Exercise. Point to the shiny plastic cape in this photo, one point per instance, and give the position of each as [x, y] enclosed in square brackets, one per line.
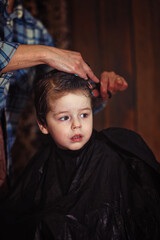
[109, 189]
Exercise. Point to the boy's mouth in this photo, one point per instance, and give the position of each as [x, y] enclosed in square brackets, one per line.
[76, 138]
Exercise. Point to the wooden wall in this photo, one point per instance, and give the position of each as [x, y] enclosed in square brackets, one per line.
[123, 36]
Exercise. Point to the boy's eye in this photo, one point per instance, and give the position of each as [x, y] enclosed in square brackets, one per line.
[64, 118]
[84, 115]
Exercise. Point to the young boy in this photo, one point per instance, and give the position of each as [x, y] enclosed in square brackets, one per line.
[83, 184]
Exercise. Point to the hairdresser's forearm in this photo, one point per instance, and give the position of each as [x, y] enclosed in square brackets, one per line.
[64, 60]
[24, 57]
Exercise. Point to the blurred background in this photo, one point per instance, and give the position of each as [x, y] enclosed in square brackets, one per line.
[119, 35]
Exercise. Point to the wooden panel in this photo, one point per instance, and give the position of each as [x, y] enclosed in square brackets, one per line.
[155, 21]
[117, 55]
[147, 38]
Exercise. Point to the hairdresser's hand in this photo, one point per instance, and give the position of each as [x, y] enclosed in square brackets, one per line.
[70, 61]
[112, 82]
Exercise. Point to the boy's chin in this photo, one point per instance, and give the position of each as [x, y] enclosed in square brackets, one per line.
[73, 147]
[76, 148]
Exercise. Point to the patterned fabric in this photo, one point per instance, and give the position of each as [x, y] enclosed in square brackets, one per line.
[6, 51]
[16, 28]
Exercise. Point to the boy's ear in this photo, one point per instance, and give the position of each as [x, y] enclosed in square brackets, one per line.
[43, 128]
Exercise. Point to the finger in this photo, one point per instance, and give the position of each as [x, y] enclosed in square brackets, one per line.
[117, 83]
[82, 69]
[104, 85]
[120, 84]
[114, 84]
[92, 76]
[87, 73]
[123, 84]
[90, 73]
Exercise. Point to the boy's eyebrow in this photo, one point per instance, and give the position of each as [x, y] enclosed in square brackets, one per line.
[57, 113]
[63, 112]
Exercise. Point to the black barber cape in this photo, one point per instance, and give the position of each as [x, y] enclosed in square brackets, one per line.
[109, 189]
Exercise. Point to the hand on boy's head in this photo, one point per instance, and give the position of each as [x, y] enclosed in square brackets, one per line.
[85, 72]
[71, 62]
[112, 82]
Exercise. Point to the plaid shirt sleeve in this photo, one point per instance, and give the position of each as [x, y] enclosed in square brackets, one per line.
[7, 50]
[4, 86]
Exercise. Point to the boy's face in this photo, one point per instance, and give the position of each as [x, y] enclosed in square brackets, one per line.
[70, 120]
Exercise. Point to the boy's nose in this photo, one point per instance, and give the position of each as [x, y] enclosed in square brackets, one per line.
[76, 123]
